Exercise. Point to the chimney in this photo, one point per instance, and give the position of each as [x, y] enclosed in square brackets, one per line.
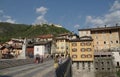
[105, 26]
[116, 24]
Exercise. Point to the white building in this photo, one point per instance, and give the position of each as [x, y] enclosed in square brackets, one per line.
[42, 49]
[116, 56]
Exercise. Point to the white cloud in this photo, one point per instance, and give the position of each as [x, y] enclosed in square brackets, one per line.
[41, 18]
[6, 18]
[109, 19]
[42, 10]
[10, 21]
[76, 26]
[94, 21]
[115, 6]
[1, 11]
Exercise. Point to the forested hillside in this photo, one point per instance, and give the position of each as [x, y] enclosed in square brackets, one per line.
[8, 30]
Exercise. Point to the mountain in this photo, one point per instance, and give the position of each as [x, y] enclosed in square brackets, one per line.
[8, 30]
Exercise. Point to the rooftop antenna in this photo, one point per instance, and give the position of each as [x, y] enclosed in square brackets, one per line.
[116, 24]
[105, 26]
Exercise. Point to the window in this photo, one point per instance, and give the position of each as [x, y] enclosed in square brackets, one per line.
[110, 32]
[37, 49]
[77, 65]
[82, 49]
[74, 49]
[74, 56]
[88, 44]
[108, 63]
[74, 44]
[89, 56]
[89, 49]
[111, 42]
[118, 64]
[96, 68]
[83, 56]
[89, 64]
[108, 68]
[82, 44]
[104, 42]
[102, 63]
[116, 41]
[102, 68]
[96, 37]
[97, 42]
[83, 65]
[62, 47]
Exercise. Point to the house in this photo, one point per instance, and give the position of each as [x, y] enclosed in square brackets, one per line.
[48, 37]
[68, 36]
[82, 53]
[6, 52]
[42, 49]
[62, 43]
[105, 38]
[103, 64]
[62, 46]
[116, 61]
[30, 51]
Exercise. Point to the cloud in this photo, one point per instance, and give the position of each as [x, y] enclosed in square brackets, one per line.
[10, 21]
[6, 18]
[76, 26]
[94, 21]
[115, 6]
[42, 10]
[1, 11]
[41, 18]
[109, 19]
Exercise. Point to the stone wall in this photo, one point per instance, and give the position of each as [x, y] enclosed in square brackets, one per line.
[83, 69]
[65, 69]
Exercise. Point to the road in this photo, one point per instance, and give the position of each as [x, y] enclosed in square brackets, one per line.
[44, 69]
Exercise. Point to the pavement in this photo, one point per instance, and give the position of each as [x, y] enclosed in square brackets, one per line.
[45, 69]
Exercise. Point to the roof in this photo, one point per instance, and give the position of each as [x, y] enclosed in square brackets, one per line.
[102, 53]
[100, 28]
[45, 36]
[64, 34]
[62, 38]
[84, 38]
[42, 43]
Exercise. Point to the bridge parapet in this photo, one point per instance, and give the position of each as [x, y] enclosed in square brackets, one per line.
[65, 69]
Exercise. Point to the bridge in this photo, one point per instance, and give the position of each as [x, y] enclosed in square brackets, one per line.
[29, 69]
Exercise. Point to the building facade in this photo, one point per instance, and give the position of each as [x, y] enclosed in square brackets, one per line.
[103, 64]
[105, 38]
[42, 49]
[82, 53]
[62, 45]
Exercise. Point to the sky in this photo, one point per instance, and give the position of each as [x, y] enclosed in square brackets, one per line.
[71, 14]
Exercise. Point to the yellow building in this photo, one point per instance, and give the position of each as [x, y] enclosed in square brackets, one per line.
[82, 49]
[105, 38]
[82, 53]
[62, 45]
